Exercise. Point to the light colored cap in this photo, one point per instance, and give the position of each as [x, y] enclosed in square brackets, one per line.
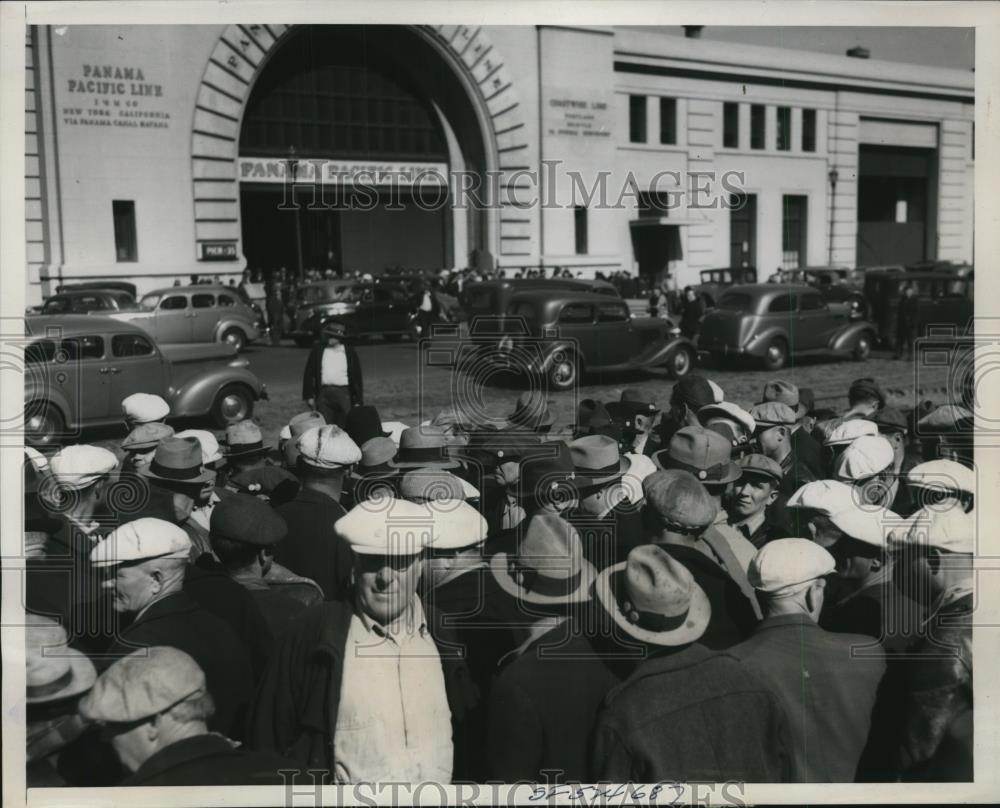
[53, 670]
[718, 394]
[773, 413]
[141, 408]
[952, 529]
[140, 540]
[944, 417]
[327, 447]
[395, 429]
[297, 427]
[639, 468]
[81, 465]
[421, 485]
[456, 524]
[143, 684]
[864, 458]
[210, 451]
[825, 496]
[943, 475]
[785, 566]
[391, 527]
[870, 526]
[730, 412]
[849, 431]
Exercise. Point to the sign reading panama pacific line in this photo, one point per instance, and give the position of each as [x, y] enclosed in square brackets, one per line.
[113, 96]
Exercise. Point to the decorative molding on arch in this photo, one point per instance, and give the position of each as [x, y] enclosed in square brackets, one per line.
[241, 53]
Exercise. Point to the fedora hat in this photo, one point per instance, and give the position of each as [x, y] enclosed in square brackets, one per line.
[244, 439]
[549, 567]
[53, 670]
[375, 456]
[706, 454]
[597, 460]
[652, 597]
[363, 423]
[297, 427]
[548, 476]
[531, 412]
[177, 460]
[785, 393]
[422, 446]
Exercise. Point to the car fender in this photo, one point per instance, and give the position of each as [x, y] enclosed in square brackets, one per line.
[757, 344]
[196, 395]
[246, 326]
[662, 353]
[552, 350]
[844, 339]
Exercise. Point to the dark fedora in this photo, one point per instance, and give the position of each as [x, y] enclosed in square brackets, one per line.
[633, 402]
[547, 477]
[244, 440]
[421, 446]
[363, 423]
[597, 460]
[177, 460]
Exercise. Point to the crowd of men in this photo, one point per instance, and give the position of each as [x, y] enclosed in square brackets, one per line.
[660, 591]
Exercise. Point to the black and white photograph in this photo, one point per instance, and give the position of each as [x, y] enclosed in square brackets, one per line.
[498, 403]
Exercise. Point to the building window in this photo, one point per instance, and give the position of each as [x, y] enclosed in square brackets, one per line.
[668, 121]
[809, 130]
[731, 125]
[793, 231]
[654, 204]
[756, 126]
[123, 211]
[783, 141]
[637, 118]
[580, 229]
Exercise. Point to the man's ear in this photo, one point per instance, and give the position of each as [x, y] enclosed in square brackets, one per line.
[772, 496]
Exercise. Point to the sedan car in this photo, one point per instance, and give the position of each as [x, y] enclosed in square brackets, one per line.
[86, 300]
[771, 322]
[380, 309]
[78, 368]
[564, 335]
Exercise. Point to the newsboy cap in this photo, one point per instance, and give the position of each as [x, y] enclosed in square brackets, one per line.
[297, 427]
[694, 391]
[783, 566]
[327, 447]
[143, 684]
[874, 527]
[455, 525]
[141, 408]
[681, 502]
[706, 454]
[825, 496]
[943, 475]
[726, 410]
[246, 519]
[850, 430]
[785, 393]
[81, 465]
[141, 540]
[761, 465]
[952, 530]
[773, 413]
[146, 437]
[866, 388]
[865, 457]
[394, 528]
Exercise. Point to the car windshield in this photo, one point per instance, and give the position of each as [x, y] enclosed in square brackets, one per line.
[150, 302]
[330, 294]
[480, 301]
[736, 301]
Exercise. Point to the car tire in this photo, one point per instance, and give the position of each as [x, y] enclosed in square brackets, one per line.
[565, 371]
[680, 363]
[234, 402]
[303, 342]
[49, 424]
[862, 347]
[776, 355]
[236, 338]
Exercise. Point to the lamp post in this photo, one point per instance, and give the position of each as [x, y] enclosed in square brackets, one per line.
[293, 170]
[833, 175]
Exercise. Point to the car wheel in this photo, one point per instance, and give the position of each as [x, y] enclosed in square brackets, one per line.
[233, 403]
[564, 371]
[236, 338]
[862, 348]
[776, 355]
[43, 424]
[680, 363]
[303, 342]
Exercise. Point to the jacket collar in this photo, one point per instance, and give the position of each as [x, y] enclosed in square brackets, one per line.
[174, 603]
[193, 748]
[798, 621]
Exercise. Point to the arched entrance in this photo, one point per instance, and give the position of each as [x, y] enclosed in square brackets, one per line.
[273, 96]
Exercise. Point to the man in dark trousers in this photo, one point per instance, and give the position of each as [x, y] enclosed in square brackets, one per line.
[906, 322]
[694, 310]
[276, 314]
[332, 381]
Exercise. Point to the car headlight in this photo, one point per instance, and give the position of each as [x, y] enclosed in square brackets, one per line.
[674, 332]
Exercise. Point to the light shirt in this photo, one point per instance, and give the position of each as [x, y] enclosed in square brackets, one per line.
[425, 303]
[393, 722]
[334, 368]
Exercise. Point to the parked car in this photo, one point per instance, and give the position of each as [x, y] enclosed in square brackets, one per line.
[771, 322]
[85, 301]
[715, 281]
[945, 297]
[490, 299]
[314, 301]
[566, 334]
[372, 309]
[78, 376]
[117, 286]
[822, 277]
[199, 313]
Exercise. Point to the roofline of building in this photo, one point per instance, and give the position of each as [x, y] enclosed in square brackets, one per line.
[664, 54]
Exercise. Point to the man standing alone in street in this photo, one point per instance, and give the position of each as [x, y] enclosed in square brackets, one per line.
[332, 381]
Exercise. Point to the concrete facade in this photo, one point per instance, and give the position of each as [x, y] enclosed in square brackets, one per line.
[153, 115]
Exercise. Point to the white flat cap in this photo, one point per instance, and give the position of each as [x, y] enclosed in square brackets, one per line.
[874, 527]
[81, 465]
[943, 475]
[141, 408]
[849, 431]
[864, 458]
[952, 529]
[456, 524]
[718, 394]
[140, 540]
[143, 684]
[210, 451]
[825, 496]
[782, 566]
[386, 526]
[327, 447]
[729, 411]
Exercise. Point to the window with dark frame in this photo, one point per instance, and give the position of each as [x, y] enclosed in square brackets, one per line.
[668, 121]
[809, 130]
[580, 229]
[793, 231]
[123, 212]
[637, 118]
[757, 126]
[783, 135]
[731, 125]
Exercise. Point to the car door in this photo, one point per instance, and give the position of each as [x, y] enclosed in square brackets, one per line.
[576, 323]
[817, 323]
[172, 322]
[135, 367]
[81, 372]
[617, 343]
[204, 315]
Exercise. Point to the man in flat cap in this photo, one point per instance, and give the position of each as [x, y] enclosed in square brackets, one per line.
[143, 408]
[751, 500]
[244, 532]
[155, 706]
[828, 693]
[332, 382]
[144, 563]
[140, 444]
[942, 485]
[842, 435]
[677, 513]
[732, 422]
[313, 549]
[673, 719]
[359, 688]
[289, 435]
[894, 426]
[806, 448]
[776, 423]
[687, 397]
[867, 466]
